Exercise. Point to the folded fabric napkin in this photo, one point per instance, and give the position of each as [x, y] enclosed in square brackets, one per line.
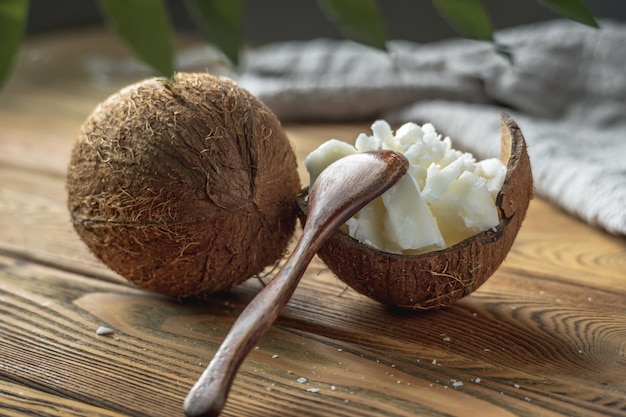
[566, 88]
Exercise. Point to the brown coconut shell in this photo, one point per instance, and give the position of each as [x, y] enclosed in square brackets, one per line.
[438, 278]
[184, 186]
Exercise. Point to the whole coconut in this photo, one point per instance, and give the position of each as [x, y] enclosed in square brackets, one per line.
[184, 186]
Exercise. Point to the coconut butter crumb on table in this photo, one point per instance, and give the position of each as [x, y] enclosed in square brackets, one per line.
[545, 336]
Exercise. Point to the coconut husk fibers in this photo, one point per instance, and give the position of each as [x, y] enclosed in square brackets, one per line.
[184, 186]
[438, 278]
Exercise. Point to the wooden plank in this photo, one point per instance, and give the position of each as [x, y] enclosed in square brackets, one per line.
[498, 335]
[18, 401]
[40, 138]
[35, 225]
[522, 347]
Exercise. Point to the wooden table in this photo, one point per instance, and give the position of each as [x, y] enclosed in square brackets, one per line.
[545, 336]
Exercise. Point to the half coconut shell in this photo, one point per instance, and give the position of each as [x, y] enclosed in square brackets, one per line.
[439, 278]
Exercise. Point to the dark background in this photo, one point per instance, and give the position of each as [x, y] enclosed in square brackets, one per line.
[275, 20]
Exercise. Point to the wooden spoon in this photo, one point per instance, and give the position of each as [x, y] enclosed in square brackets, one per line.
[339, 192]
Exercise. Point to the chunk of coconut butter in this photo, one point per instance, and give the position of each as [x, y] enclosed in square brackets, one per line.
[445, 197]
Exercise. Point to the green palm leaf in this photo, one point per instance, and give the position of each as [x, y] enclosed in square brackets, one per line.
[357, 20]
[13, 14]
[145, 26]
[572, 9]
[222, 21]
[468, 17]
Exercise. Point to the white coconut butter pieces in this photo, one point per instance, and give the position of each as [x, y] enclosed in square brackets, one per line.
[446, 196]
[326, 154]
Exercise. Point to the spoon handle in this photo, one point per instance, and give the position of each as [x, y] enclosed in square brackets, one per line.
[340, 191]
[208, 395]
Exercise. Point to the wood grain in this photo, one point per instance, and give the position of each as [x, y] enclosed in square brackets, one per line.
[545, 336]
[18, 400]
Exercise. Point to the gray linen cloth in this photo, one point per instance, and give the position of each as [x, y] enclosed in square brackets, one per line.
[566, 89]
